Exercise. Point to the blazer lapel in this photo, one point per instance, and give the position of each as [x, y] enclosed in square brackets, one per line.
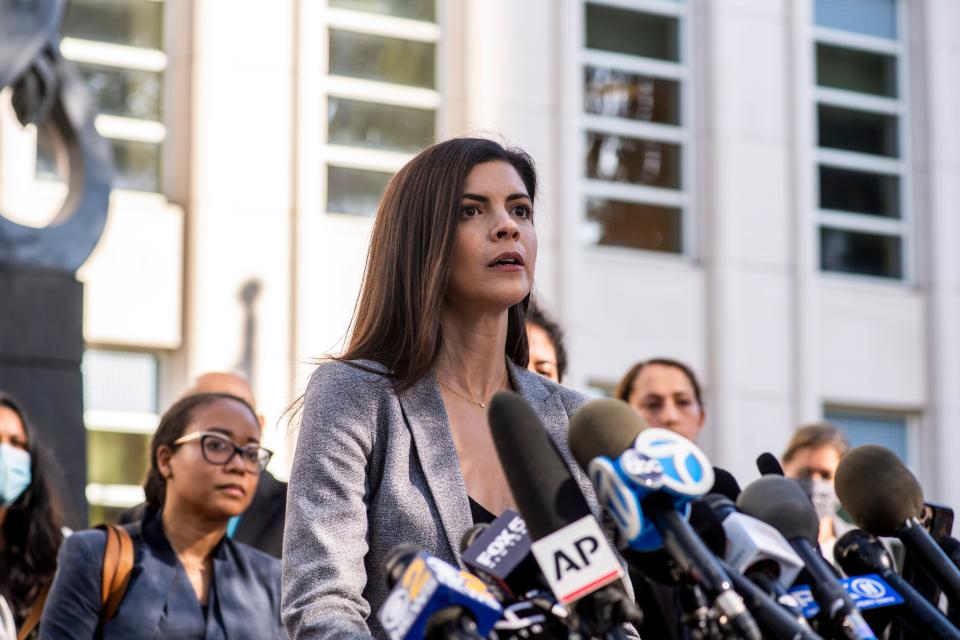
[427, 419]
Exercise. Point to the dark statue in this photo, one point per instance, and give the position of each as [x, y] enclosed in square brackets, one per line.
[41, 325]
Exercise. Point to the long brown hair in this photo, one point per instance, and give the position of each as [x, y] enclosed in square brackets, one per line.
[396, 322]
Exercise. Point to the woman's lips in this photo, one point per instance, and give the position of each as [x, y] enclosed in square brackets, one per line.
[233, 490]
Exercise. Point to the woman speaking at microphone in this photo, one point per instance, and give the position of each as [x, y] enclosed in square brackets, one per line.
[394, 444]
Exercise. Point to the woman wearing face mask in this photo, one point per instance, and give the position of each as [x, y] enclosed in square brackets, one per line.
[394, 445]
[30, 523]
[189, 580]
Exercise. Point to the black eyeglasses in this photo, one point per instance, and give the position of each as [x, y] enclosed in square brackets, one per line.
[219, 449]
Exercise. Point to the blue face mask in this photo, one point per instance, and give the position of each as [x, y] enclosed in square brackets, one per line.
[15, 474]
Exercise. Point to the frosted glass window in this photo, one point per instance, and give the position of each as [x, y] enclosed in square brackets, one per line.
[424, 10]
[120, 381]
[355, 191]
[876, 18]
[882, 429]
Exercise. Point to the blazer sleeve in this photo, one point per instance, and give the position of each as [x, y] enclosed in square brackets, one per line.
[72, 609]
[325, 539]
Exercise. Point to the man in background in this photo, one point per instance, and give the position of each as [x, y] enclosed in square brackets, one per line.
[261, 525]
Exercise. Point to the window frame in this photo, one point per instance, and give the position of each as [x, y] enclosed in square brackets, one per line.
[904, 227]
[682, 134]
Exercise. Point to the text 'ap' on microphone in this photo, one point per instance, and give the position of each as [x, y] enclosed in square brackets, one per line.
[781, 502]
[571, 550]
[858, 553]
[433, 600]
[885, 499]
[645, 479]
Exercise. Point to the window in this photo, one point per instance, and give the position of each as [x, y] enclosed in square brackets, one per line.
[382, 96]
[121, 399]
[117, 46]
[861, 142]
[636, 164]
[888, 430]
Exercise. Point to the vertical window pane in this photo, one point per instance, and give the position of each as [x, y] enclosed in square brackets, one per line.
[859, 192]
[115, 457]
[858, 131]
[137, 165]
[355, 191]
[120, 381]
[136, 23]
[378, 126]
[370, 57]
[643, 162]
[632, 33]
[610, 92]
[860, 253]
[424, 10]
[876, 18]
[852, 70]
[861, 428]
[636, 226]
[129, 93]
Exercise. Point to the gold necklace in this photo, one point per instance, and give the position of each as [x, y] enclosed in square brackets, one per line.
[482, 405]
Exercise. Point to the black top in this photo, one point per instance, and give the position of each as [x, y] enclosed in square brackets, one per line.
[479, 514]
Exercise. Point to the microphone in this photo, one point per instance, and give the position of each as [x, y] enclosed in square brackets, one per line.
[781, 503]
[768, 465]
[571, 550]
[858, 552]
[653, 472]
[433, 600]
[887, 504]
[725, 484]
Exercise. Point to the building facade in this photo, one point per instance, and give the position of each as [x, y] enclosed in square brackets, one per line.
[765, 189]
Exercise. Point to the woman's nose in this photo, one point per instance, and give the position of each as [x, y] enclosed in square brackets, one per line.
[505, 226]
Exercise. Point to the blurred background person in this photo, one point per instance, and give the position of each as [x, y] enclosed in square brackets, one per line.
[190, 580]
[30, 523]
[666, 393]
[811, 458]
[261, 525]
[548, 356]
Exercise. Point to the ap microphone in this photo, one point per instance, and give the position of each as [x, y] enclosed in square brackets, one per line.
[858, 552]
[653, 472]
[781, 502]
[768, 465]
[433, 600]
[885, 499]
[571, 550]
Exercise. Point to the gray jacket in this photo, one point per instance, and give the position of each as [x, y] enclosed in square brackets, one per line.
[374, 469]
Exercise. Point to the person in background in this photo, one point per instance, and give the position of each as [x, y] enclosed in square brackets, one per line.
[189, 580]
[261, 525]
[666, 393]
[548, 357]
[30, 522]
[811, 458]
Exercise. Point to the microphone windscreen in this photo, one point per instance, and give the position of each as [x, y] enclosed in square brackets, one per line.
[470, 535]
[768, 465]
[547, 495]
[781, 503]
[603, 428]
[877, 490]
[725, 484]
[396, 562]
[706, 523]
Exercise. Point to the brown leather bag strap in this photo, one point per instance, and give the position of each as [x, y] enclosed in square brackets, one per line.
[118, 559]
[33, 617]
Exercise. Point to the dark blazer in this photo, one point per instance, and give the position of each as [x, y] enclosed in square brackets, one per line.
[261, 525]
[374, 469]
[244, 599]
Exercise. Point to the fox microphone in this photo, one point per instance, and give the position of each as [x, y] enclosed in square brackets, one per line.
[781, 502]
[574, 555]
[884, 499]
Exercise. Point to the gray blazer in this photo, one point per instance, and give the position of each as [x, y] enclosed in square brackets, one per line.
[374, 469]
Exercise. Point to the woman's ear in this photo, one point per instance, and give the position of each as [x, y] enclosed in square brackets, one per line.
[164, 453]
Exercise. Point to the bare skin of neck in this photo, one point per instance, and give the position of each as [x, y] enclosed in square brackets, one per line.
[193, 538]
[472, 362]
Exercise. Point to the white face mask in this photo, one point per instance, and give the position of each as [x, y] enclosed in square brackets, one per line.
[822, 495]
[15, 474]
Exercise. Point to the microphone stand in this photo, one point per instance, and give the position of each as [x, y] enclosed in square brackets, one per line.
[697, 616]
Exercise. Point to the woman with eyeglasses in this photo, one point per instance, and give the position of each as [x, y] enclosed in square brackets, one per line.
[189, 579]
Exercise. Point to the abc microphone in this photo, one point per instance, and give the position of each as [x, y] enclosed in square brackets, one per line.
[433, 600]
[884, 499]
[781, 502]
[652, 472]
[858, 552]
[571, 550]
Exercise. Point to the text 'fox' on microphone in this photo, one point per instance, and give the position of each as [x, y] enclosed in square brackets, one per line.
[571, 550]
[646, 479]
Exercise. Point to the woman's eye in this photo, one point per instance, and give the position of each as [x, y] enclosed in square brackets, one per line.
[216, 445]
[470, 211]
[522, 211]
